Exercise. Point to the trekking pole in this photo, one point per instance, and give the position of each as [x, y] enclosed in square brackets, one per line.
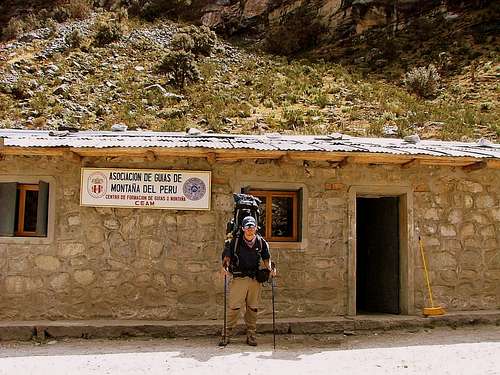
[225, 312]
[223, 342]
[274, 320]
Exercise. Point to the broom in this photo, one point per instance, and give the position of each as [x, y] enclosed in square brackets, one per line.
[433, 310]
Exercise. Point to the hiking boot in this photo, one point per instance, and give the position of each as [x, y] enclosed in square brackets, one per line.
[251, 340]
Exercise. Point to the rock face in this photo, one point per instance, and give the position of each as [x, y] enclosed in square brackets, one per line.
[337, 18]
[236, 16]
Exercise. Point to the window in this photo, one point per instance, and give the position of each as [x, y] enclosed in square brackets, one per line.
[23, 209]
[279, 215]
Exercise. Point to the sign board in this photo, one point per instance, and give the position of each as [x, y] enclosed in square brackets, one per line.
[145, 188]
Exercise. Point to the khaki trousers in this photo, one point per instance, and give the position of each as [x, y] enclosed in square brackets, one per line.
[244, 291]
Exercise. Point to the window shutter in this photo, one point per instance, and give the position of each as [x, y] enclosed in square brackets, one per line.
[42, 209]
[8, 196]
[300, 197]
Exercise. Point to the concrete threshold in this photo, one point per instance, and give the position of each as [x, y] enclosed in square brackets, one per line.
[44, 329]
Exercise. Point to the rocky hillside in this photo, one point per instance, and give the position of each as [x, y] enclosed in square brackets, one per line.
[341, 68]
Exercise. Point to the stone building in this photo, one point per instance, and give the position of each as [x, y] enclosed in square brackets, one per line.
[343, 216]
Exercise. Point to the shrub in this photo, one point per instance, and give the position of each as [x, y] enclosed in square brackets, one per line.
[79, 9]
[321, 100]
[122, 14]
[388, 116]
[20, 90]
[31, 22]
[74, 39]
[60, 14]
[13, 29]
[107, 31]
[204, 40]
[43, 16]
[143, 44]
[181, 66]
[199, 40]
[485, 106]
[293, 118]
[182, 41]
[423, 81]
[52, 26]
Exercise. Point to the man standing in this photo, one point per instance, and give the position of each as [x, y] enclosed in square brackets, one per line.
[242, 258]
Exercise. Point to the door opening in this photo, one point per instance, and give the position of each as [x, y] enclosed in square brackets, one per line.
[377, 255]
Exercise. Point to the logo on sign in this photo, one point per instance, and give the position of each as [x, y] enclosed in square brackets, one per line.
[194, 189]
[97, 185]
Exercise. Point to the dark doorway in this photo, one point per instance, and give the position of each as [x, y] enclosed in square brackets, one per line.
[377, 255]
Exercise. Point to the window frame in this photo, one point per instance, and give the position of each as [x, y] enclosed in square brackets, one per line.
[34, 179]
[21, 210]
[269, 194]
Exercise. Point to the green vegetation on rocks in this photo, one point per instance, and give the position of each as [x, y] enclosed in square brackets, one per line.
[108, 30]
[182, 67]
[423, 81]
[170, 76]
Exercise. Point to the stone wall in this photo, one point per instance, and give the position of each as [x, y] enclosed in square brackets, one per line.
[459, 216]
[114, 263]
[162, 264]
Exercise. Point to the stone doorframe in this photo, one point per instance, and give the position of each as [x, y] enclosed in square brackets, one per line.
[406, 243]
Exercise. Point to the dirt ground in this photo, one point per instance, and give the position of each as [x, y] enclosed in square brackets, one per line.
[287, 346]
[464, 351]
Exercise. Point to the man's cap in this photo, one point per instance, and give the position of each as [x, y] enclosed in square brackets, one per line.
[248, 221]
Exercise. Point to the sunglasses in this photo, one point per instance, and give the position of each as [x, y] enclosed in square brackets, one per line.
[249, 227]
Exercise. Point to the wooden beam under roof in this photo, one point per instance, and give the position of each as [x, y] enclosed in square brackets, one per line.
[475, 166]
[211, 158]
[363, 158]
[284, 159]
[230, 155]
[36, 151]
[446, 162]
[140, 152]
[108, 151]
[315, 156]
[495, 163]
[151, 155]
[72, 156]
[410, 164]
[341, 163]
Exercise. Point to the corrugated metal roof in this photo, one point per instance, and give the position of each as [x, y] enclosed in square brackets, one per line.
[268, 142]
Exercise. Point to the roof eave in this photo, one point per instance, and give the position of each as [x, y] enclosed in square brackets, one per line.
[336, 158]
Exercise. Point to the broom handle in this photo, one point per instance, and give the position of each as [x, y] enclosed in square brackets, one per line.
[273, 266]
[425, 269]
[274, 322]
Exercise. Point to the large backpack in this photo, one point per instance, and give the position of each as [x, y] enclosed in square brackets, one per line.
[244, 205]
